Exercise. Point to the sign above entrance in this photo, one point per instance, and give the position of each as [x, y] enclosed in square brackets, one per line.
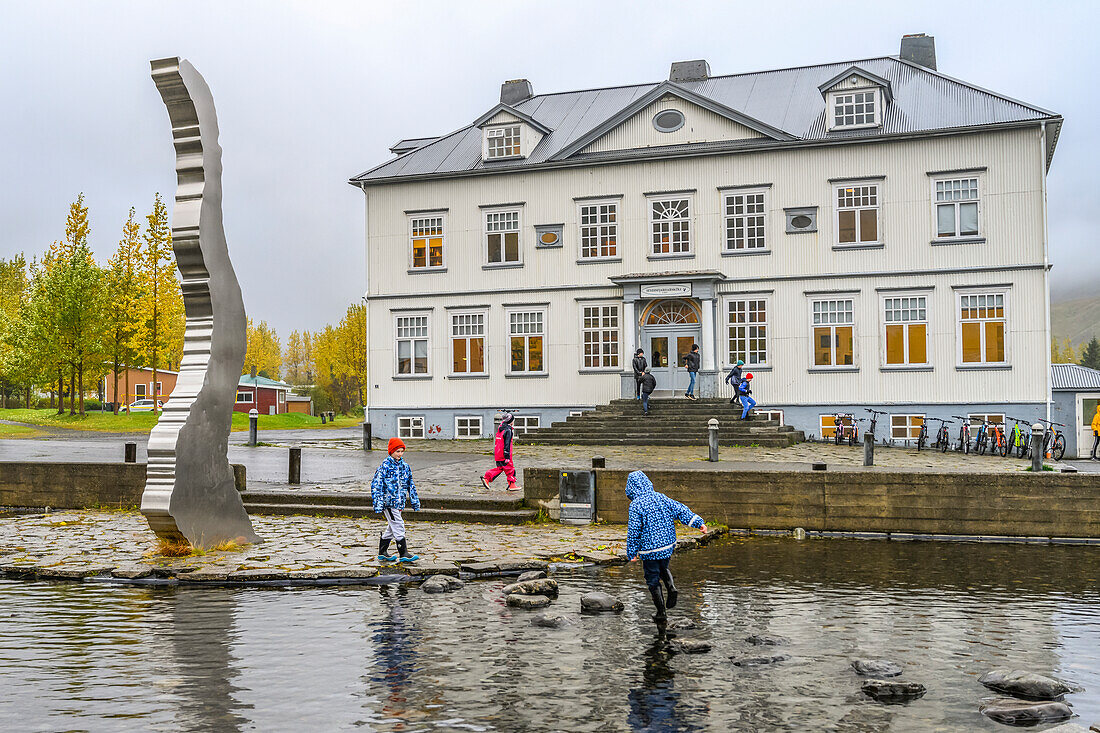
[665, 290]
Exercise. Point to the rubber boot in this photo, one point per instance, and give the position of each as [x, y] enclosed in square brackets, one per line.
[384, 551]
[659, 601]
[670, 587]
[403, 551]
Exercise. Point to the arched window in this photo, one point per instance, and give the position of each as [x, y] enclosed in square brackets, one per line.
[671, 313]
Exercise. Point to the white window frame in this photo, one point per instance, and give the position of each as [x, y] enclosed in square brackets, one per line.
[603, 366]
[729, 221]
[770, 415]
[603, 229]
[959, 294]
[460, 429]
[282, 397]
[409, 425]
[576, 413]
[877, 207]
[485, 216]
[979, 185]
[250, 395]
[427, 216]
[397, 339]
[523, 424]
[840, 298]
[652, 201]
[746, 299]
[909, 426]
[144, 391]
[481, 313]
[160, 389]
[834, 101]
[508, 313]
[501, 132]
[977, 418]
[927, 295]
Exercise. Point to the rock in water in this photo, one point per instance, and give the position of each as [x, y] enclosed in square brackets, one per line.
[875, 668]
[440, 584]
[597, 602]
[531, 575]
[760, 661]
[893, 691]
[1022, 683]
[542, 587]
[520, 601]
[552, 621]
[682, 624]
[766, 640]
[1022, 712]
[689, 646]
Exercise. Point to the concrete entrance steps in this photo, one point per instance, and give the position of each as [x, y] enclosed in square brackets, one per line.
[488, 509]
[675, 421]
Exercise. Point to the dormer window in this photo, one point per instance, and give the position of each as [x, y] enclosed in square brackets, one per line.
[503, 142]
[855, 99]
[856, 109]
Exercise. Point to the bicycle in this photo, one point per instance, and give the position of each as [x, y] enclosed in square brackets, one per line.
[981, 441]
[998, 443]
[922, 436]
[844, 429]
[1057, 444]
[943, 435]
[874, 420]
[1020, 438]
[964, 433]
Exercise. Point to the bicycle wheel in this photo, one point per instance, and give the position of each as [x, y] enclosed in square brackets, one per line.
[1021, 449]
[964, 441]
[1059, 449]
[981, 444]
[853, 438]
[921, 438]
[944, 439]
[838, 434]
[1002, 445]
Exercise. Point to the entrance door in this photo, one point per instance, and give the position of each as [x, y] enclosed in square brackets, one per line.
[666, 358]
[1086, 408]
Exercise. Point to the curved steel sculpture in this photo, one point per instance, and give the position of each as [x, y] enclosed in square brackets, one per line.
[190, 492]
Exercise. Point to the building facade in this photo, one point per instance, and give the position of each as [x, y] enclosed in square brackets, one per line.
[266, 396]
[868, 233]
[141, 387]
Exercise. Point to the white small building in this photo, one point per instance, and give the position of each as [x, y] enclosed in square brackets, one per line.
[867, 233]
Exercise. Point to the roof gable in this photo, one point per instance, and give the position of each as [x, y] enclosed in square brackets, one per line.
[855, 77]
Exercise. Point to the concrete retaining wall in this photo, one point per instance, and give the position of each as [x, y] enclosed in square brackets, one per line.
[1018, 505]
[77, 485]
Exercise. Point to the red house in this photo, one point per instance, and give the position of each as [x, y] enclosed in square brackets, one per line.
[267, 396]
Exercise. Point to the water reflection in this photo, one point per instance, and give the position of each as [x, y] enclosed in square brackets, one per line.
[655, 704]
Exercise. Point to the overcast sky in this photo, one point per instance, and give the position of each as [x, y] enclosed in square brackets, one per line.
[311, 93]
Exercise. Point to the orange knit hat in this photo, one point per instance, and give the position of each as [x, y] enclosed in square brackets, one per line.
[395, 443]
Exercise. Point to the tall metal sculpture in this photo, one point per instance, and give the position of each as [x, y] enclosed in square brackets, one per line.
[190, 492]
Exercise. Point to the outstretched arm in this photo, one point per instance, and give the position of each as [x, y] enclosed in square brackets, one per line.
[685, 515]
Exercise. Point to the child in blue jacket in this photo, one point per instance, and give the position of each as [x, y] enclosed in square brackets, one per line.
[651, 535]
[390, 489]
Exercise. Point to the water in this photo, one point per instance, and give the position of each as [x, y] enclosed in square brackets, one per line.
[100, 657]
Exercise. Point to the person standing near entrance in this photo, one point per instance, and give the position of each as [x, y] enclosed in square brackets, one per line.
[647, 385]
[692, 362]
[733, 379]
[640, 368]
[1096, 432]
[502, 454]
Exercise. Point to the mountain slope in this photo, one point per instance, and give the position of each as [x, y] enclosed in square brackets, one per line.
[1077, 319]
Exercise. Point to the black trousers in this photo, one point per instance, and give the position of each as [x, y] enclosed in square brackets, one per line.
[1095, 445]
[637, 386]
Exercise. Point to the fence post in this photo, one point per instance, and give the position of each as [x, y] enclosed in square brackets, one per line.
[131, 453]
[868, 449]
[1037, 432]
[712, 439]
[253, 420]
[598, 462]
[367, 437]
[295, 473]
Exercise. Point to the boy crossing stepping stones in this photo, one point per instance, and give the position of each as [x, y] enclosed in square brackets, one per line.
[391, 489]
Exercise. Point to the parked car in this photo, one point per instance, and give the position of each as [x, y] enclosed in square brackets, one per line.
[143, 406]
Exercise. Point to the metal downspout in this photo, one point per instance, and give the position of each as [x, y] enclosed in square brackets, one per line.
[1046, 253]
[366, 302]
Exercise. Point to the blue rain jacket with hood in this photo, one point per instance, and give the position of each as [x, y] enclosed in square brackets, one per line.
[651, 528]
[392, 486]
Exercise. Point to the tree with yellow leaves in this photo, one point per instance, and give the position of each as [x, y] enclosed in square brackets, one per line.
[1064, 354]
[340, 356]
[124, 305]
[162, 302]
[263, 351]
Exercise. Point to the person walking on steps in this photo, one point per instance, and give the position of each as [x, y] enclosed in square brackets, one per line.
[651, 535]
[647, 385]
[502, 454]
[733, 379]
[640, 367]
[744, 389]
[691, 361]
[1096, 432]
[390, 489]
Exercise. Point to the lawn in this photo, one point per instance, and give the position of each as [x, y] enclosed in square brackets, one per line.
[17, 431]
[143, 422]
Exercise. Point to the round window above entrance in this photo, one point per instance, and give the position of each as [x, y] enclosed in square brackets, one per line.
[672, 313]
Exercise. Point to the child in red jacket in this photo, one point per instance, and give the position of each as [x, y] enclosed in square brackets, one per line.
[502, 454]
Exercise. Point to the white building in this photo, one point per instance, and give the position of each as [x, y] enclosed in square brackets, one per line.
[867, 233]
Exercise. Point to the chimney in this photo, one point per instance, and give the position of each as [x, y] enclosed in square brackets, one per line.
[689, 71]
[515, 91]
[919, 49]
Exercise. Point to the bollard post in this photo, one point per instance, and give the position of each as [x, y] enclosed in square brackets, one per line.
[131, 453]
[367, 437]
[253, 420]
[323, 417]
[1037, 431]
[598, 462]
[295, 473]
[712, 439]
[868, 449]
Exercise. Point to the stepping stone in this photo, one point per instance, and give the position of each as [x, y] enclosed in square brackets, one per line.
[440, 568]
[252, 576]
[529, 575]
[132, 572]
[528, 602]
[359, 571]
[892, 690]
[598, 602]
[875, 668]
[689, 646]
[760, 661]
[72, 572]
[206, 574]
[541, 587]
[552, 621]
[481, 568]
[766, 640]
[682, 624]
[1021, 683]
[1011, 711]
[508, 566]
[441, 584]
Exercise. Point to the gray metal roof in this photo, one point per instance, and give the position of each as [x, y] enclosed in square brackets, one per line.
[786, 100]
[1074, 378]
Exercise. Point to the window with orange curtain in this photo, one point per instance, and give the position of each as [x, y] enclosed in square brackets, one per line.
[468, 343]
[982, 328]
[427, 242]
[833, 333]
[906, 321]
